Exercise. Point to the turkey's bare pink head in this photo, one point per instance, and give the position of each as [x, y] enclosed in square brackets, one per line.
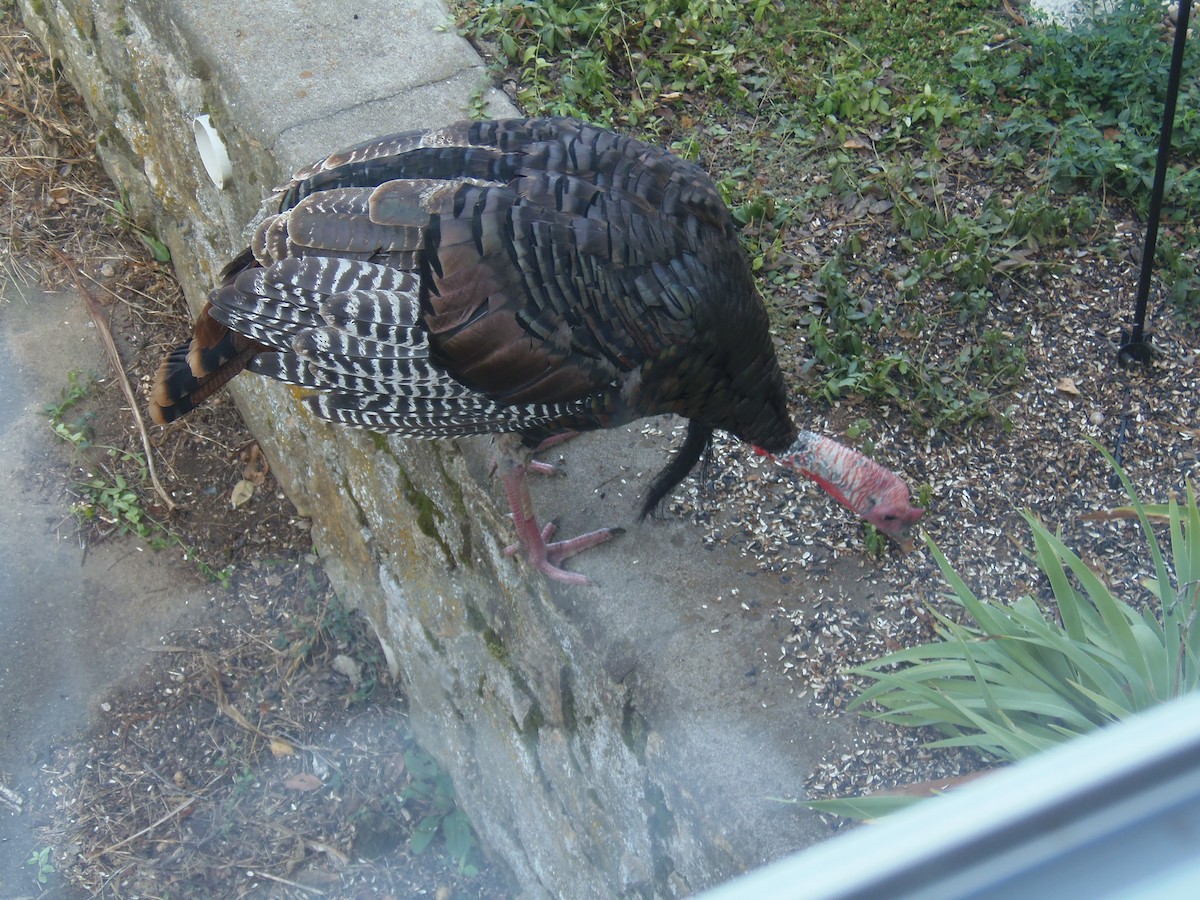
[858, 483]
[894, 514]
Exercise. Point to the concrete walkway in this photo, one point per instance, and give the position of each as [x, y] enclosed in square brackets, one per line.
[72, 625]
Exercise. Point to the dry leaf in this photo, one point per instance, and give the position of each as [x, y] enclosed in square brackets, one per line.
[1013, 259]
[280, 747]
[254, 464]
[303, 781]
[242, 491]
[1067, 386]
[339, 858]
[1155, 512]
[345, 665]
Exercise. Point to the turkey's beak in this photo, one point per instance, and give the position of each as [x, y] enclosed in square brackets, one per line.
[900, 526]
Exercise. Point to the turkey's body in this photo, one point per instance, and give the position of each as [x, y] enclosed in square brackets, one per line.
[527, 276]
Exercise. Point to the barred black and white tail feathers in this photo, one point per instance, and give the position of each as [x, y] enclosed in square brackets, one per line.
[530, 276]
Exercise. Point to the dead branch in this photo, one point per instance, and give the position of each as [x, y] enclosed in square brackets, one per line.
[114, 357]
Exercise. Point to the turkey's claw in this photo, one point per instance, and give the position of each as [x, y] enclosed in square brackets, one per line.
[544, 468]
[544, 555]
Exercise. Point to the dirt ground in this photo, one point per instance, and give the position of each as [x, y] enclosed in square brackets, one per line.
[189, 711]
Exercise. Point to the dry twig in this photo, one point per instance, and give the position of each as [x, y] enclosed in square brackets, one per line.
[166, 817]
[114, 357]
[257, 873]
[1015, 14]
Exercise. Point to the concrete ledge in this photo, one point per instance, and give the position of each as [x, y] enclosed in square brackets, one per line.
[620, 739]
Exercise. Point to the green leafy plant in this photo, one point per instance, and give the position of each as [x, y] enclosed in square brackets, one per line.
[111, 493]
[848, 95]
[929, 109]
[243, 780]
[1020, 679]
[122, 215]
[40, 859]
[109, 496]
[432, 789]
[78, 386]
[114, 500]
[78, 432]
[1080, 108]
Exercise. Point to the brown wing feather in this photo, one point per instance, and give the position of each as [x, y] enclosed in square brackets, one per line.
[497, 309]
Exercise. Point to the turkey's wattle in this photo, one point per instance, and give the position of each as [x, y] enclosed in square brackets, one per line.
[531, 277]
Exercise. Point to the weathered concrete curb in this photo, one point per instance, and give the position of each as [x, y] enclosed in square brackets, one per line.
[612, 740]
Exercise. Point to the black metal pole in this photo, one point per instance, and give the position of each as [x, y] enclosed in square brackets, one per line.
[1134, 346]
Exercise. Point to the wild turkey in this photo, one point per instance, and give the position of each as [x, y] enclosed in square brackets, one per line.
[535, 277]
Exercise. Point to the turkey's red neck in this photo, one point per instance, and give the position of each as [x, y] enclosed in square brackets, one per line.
[853, 480]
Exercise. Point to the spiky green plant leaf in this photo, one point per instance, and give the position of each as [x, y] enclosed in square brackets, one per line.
[1016, 681]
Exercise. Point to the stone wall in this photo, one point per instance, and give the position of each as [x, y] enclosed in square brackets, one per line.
[604, 740]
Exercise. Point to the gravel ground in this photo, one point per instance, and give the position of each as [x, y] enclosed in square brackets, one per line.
[262, 750]
[1035, 453]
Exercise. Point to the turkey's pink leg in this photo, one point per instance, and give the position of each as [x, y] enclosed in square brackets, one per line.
[543, 556]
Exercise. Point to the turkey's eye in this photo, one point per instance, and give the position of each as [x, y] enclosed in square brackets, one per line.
[890, 517]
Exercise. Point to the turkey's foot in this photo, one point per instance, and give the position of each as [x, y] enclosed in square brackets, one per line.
[544, 468]
[539, 467]
[543, 554]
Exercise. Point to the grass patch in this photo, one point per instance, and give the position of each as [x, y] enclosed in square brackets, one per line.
[1085, 107]
[631, 64]
[112, 495]
[615, 61]
[975, 142]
